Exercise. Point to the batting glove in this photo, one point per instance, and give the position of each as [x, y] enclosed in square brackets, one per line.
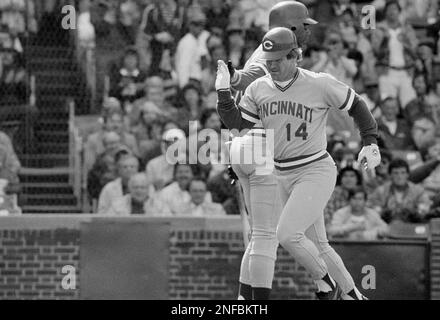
[369, 156]
[222, 81]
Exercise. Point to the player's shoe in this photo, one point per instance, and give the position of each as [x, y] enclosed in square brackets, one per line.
[354, 296]
[335, 294]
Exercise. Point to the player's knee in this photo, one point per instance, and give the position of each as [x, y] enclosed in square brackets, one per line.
[323, 247]
[285, 237]
[266, 247]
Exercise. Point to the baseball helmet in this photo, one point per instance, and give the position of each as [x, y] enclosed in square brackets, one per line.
[288, 14]
[277, 43]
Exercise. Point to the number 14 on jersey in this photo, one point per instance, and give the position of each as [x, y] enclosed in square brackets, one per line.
[301, 132]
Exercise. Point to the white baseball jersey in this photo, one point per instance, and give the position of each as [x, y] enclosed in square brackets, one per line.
[296, 114]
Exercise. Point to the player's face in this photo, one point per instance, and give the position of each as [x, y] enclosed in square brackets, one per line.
[282, 69]
[302, 33]
[399, 177]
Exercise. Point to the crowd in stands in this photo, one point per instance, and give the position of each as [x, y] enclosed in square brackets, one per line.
[160, 59]
[14, 88]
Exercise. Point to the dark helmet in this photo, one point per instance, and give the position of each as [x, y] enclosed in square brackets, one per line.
[277, 43]
[288, 14]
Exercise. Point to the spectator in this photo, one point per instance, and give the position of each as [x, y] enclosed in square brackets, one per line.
[235, 45]
[191, 107]
[347, 159]
[154, 145]
[395, 133]
[14, 99]
[356, 221]
[138, 200]
[335, 62]
[312, 56]
[423, 133]
[419, 106]
[420, 12]
[338, 65]
[223, 192]
[160, 170]
[191, 50]
[112, 37]
[253, 38]
[13, 14]
[256, 13]
[86, 31]
[216, 52]
[394, 44]
[163, 29]
[128, 80]
[104, 169]
[340, 7]
[348, 179]
[380, 177]
[141, 120]
[9, 167]
[430, 170]
[425, 63]
[155, 93]
[400, 199]
[148, 131]
[358, 78]
[176, 196]
[127, 166]
[13, 78]
[217, 16]
[217, 152]
[113, 121]
[371, 96]
[198, 206]
[434, 97]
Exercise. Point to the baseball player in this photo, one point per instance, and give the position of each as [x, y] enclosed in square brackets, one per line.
[294, 103]
[257, 179]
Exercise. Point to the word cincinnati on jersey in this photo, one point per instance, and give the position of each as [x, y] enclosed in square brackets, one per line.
[285, 107]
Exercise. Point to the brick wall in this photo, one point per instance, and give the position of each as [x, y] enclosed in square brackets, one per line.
[206, 265]
[435, 260]
[204, 259]
[31, 263]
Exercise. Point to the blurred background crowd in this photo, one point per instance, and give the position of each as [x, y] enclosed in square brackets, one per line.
[154, 65]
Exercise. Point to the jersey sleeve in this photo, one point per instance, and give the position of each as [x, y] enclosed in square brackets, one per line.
[248, 107]
[336, 93]
[248, 75]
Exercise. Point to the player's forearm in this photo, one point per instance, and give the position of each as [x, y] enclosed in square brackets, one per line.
[243, 78]
[229, 112]
[364, 120]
